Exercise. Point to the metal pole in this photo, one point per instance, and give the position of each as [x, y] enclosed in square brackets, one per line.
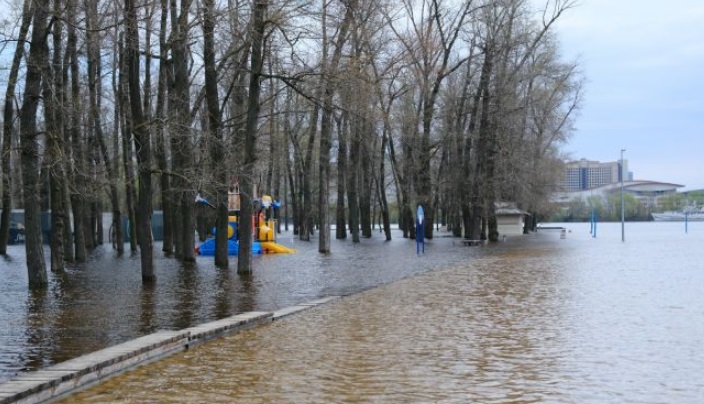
[623, 206]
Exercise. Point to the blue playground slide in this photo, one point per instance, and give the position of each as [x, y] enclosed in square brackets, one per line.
[233, 247]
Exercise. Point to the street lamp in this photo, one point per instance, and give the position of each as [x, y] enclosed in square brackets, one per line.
[623, 209]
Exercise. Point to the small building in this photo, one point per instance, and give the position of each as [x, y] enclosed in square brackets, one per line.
[511, 221]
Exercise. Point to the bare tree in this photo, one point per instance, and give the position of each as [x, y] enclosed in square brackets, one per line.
[53, 95]
[8, 124]
[329, 71]
[244, 261]
[29, 138]
[143, 144]
[217, 152]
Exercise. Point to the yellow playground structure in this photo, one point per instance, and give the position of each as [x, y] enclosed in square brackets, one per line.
[263, 224]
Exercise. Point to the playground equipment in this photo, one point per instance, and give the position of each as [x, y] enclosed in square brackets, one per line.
[263, 225]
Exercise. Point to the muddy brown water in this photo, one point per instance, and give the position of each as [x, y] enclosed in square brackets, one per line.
[539, 319]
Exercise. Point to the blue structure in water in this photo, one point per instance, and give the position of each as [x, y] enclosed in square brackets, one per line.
[233, 247]
[420, 230]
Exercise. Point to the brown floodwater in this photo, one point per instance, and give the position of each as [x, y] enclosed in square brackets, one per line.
[539, 319]
[102, 302]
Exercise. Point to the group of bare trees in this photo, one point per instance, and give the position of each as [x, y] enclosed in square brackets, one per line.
[334, 107]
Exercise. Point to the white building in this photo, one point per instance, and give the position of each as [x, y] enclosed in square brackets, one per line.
[647, 192]
[586, 174]
[510, 220]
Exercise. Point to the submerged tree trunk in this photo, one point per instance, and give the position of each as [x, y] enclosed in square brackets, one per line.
[341, 223]
[244, 260]
[217, 149]
[128, 166]
[77, 185]
[326, 130]
[353, 181]
[142, 142]
[53, 117]
[382, 187]
[180, 131]
[29, 137]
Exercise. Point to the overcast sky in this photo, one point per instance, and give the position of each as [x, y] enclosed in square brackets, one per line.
[644, 64]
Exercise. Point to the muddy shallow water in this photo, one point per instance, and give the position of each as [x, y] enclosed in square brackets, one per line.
[102, 302]
[540, 319]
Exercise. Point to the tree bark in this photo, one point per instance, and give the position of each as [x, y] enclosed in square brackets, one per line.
[181, 142]
[53, 103]
[29, 138]
[142, 142]
[244, 260]
[77, 186]
[326, 130]
[217, 147]
[341, 223]
[353, 181]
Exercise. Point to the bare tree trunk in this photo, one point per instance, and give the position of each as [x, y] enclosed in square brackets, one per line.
[180, 131]
[353, 180]
[341, 223]
[142, 142]
[365, 172]
[382, 187]
[244, 260]
[217, 148]
[477, 195]
[94, 94]
[7, 127]
[326, 130]
[38, 53]
[160, 141]
[78, 170]
[128, 167]
[53, 102]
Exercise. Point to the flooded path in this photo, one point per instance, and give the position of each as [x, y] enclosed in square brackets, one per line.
[537, 320]
[102, 303]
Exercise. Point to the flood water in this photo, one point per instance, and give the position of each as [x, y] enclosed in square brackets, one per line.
[535, 319]
[102, 302]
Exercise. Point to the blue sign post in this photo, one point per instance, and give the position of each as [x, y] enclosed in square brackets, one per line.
[420, 231]
[686, 222]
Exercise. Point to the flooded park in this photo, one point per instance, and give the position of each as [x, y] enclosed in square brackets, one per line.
[532, 319]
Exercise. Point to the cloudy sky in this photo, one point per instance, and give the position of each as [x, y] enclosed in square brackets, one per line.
[644, 64]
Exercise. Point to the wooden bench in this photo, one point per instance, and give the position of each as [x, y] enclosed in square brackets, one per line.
[471, 243]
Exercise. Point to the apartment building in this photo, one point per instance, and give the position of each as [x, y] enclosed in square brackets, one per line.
[585, 174]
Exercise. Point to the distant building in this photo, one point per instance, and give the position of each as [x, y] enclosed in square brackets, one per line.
[585, 174]
[646, 192]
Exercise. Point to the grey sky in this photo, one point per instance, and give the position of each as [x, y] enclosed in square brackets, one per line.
[643, 60]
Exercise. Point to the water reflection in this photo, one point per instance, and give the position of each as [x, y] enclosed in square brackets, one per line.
[102, 302]
[247, 298]
[188, 283]
[223, 289]
[147, 308]
[580, 320]
[38, 328]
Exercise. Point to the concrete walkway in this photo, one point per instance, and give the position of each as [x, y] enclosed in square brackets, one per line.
[64, 378]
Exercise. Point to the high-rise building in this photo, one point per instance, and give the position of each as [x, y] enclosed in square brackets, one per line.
[585, 174]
